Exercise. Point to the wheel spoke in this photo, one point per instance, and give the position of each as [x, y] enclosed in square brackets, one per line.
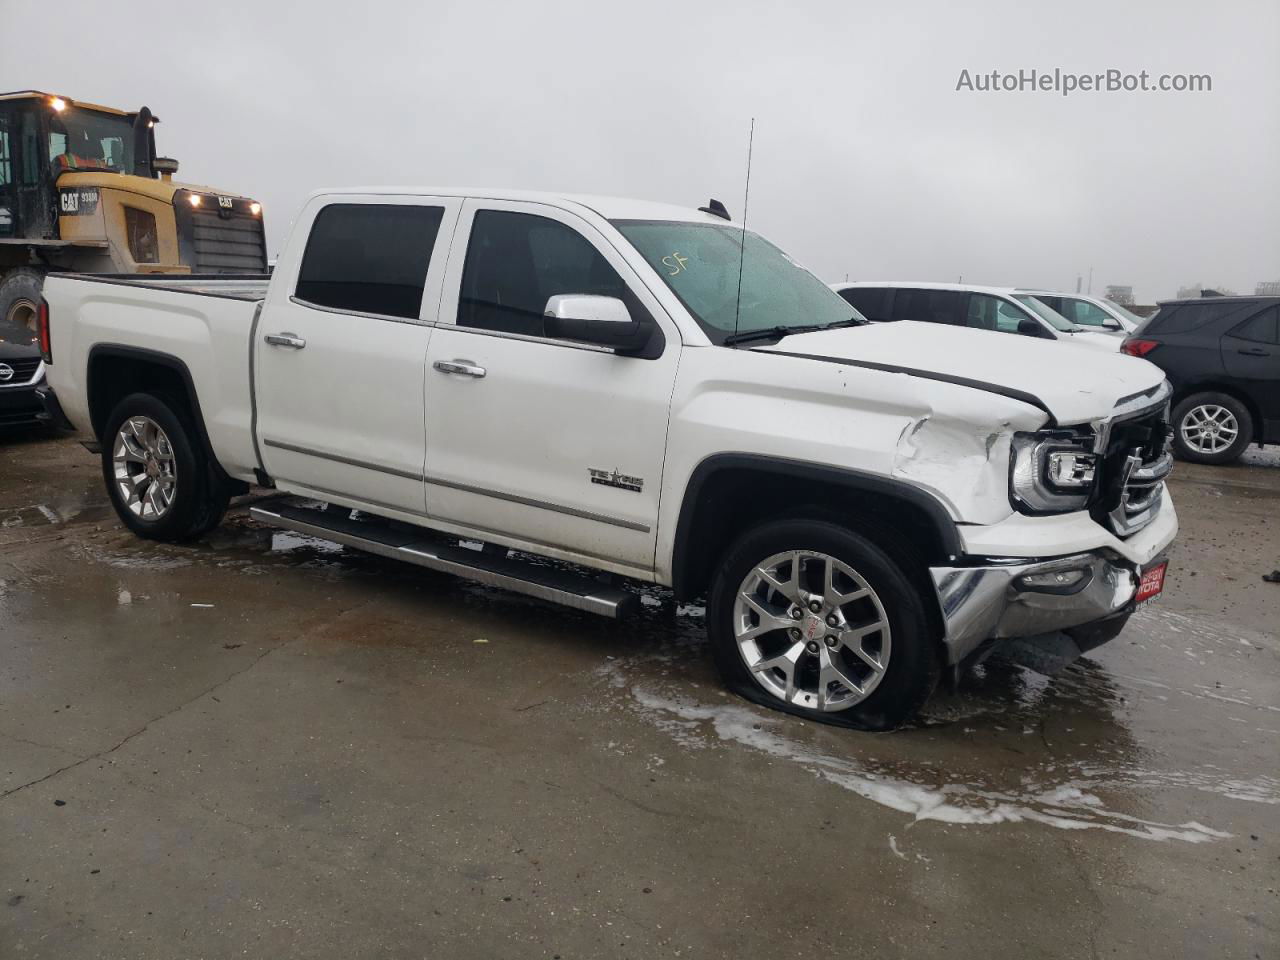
[835, 597]
[789, 588]
[786, 662]
[769, 619]
[831, 670]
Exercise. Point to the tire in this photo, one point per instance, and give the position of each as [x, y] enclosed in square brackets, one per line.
[20, 293]
[880, 598]
[193, 497]
[1195, 437]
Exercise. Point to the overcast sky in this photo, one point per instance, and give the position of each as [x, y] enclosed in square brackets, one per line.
[868, 161]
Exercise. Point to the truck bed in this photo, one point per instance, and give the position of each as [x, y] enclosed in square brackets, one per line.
[237, 286]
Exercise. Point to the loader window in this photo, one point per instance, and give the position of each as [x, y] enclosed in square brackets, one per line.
[86, 140]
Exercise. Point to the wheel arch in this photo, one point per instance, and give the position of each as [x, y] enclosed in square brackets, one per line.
[115, 370]
[728, 492]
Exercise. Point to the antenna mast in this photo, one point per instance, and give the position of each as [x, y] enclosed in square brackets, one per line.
[742, 253]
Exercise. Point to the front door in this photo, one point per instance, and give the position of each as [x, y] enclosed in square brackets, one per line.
[531, 438]
[340, 353]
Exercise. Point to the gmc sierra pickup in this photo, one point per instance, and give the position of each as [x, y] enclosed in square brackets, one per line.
[642, 390]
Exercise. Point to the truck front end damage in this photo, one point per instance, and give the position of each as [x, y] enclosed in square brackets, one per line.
[1098, 489]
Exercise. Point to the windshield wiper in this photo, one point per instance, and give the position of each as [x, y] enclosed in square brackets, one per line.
[768, 333]
[851, 322]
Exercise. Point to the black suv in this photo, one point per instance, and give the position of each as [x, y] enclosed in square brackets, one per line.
[1222, 355]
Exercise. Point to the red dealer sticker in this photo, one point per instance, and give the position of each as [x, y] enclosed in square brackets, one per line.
[1152, 583]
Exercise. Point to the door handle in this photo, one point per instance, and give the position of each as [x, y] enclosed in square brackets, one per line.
[462, 367]
[1254, 352]
[285, 340]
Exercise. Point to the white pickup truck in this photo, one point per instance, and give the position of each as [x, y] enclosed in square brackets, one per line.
[642, 390]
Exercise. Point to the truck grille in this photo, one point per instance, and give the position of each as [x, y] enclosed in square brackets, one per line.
[1135, 462]
[228, 243]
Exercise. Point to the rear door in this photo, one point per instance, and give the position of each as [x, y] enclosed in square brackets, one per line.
[533, 438]
[1251, 356]
[340, 349]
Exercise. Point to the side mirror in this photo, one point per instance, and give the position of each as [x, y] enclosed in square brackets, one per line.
[604, 321]
[1029, 328]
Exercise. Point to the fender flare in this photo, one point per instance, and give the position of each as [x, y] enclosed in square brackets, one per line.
[930, 506]
[158, 358]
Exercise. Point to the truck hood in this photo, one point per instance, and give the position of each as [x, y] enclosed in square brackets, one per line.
[1074, 384]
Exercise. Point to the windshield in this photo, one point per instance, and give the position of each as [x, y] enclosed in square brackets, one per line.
[1049, 316]
[1128, 314]
[700, 263]
[88, 140]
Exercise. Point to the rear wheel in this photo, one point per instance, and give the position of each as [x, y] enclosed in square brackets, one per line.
[160, 481]
[810, 618]
[1211, 428]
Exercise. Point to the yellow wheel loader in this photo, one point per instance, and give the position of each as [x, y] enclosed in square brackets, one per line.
[82, 190]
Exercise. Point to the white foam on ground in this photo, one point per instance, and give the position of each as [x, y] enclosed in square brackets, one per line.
[1064, 806]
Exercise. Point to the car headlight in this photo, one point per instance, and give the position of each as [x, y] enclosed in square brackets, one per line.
[1053, 471]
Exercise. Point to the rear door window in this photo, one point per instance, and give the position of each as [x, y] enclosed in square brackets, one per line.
[871, 302]
[369, 258]
[929, 306]
[1263, 327]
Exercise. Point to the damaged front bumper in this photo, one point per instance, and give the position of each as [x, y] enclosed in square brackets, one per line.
[998, 599]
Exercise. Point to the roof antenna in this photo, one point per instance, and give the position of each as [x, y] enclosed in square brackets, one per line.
[742, 253]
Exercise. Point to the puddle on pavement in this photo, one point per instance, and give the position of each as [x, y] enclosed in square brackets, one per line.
[1009, 746]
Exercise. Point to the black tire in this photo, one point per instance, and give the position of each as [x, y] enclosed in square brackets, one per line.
[914, 664]
[1243, 420]
[199, 497]
[20, 292]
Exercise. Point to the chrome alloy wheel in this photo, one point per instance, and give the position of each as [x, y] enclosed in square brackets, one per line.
[146, 473]
[811, 630]
[1209, 428]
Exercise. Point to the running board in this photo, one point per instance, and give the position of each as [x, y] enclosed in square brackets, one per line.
[415, 546]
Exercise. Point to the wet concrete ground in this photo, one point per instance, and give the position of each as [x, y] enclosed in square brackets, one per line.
[268, 746]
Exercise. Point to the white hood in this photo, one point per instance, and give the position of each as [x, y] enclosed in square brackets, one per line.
[1076, 385]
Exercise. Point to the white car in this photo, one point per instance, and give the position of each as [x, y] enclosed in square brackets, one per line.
[996, 309]
[611, 383]
[1085, 310]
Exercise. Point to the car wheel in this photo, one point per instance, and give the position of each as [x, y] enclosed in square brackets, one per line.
[1211, 428]
[160, 481]
[808, 617]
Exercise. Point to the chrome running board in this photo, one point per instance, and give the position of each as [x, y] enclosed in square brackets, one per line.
[401, 542]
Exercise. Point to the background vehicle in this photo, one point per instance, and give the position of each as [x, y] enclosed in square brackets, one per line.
[999, 309]
[1094, 313]
[1222, 355]
[862, 505]
[81, 189]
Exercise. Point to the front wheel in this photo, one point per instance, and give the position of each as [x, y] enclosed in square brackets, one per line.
[1211, 428]
[160, 481]
[808, 617]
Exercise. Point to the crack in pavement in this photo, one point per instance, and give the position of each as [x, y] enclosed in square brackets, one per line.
[146, 726]
[300, 635]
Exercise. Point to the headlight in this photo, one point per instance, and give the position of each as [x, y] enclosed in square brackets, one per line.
[1053, 471]
[140, 229]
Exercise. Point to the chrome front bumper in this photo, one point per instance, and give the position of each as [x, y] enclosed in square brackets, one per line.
[1017, 598]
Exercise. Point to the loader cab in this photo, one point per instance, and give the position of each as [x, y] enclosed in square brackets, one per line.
[43, 137]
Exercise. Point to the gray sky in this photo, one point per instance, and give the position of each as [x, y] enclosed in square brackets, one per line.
[868, 162]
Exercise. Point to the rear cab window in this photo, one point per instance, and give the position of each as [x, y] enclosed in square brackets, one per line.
[369, 258]
[929, 306]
